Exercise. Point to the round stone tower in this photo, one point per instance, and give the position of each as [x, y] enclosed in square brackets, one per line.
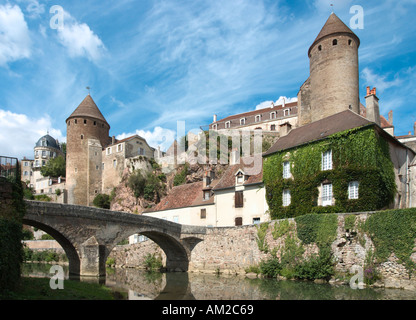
[334, 82]
[87, 134]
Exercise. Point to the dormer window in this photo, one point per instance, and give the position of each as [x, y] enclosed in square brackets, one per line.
[258, 118]
[207, 195]
[239, 177]
[108, 151]
[242, 121]
[214, 127]
[286, 112]
[273, 115]
[119, 147]
[228, 125]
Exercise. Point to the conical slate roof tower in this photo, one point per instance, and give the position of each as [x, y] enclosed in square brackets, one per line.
[87, 135]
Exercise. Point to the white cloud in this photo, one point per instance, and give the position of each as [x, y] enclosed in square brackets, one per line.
[19, 133]
[267, 104]
[14, 35]
[378, 81]
[79, 39]
[158, 137]
[35, 9]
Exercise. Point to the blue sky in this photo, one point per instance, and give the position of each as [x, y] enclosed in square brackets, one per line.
[152, 63]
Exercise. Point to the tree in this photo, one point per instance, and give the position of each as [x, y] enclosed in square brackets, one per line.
[55, 167]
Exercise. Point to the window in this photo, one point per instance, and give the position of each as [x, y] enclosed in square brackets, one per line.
[256, 220]
[95, 123]
[273, 115]
[286, 197]
[114, 163]
[353, 190]
[239, 199]
[239, 221]
[75, 121]
[243, 121]
[240, 178]
[25, 173]
[96, 167]
[176, 219]
[273, 127]
[141, 151]
[327, 194]
[227, 124]
[43, 154]
[349, 42]
[206, 195]
[203, 213]
[334, 42]
[82, 136]
[108, 151]
[26, 164]
[214, 127]
[327, 160]
[286, 112]
[102, 166]
[286, 170]
[85, 121]
[258, 118]
[119, 147]
[319, 47]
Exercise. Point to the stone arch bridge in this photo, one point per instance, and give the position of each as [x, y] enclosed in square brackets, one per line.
[89, 234]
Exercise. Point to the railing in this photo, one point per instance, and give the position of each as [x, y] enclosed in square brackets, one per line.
[9, 167]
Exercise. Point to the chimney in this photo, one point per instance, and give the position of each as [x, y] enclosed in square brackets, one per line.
[371, 103]
[391, 117]
[284, 102]
[208, 177]
[113, 139]
[285, 129]
[234, 157]
[215, 118]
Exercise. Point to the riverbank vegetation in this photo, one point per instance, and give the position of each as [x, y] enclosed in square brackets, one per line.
[39, 289]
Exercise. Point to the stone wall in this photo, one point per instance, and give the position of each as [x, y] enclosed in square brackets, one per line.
[231, 250]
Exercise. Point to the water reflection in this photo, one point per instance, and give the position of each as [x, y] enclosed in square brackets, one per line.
[141, 285]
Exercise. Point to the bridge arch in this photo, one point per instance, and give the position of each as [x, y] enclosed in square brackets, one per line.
[89, 234]
[67, 246]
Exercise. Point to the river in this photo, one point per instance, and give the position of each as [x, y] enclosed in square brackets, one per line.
[141, 285]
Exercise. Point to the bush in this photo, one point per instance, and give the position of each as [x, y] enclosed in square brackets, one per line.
[180, 177]
[43, 197]
[271, 267]
[102, 201]
[153, 262]
[317, 267]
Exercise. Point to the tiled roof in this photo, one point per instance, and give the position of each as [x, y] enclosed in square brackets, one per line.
[319, 130]
[186, 195]
[333, 25]
[228, 178]
[88, 108]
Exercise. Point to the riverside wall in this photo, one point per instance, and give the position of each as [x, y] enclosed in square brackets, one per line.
[231, 250]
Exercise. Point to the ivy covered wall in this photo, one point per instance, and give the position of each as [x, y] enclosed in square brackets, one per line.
[359, 154]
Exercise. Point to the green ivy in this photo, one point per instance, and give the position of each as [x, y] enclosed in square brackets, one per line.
[261, 237]
[393, 231]
[359, 154]
[317, 228]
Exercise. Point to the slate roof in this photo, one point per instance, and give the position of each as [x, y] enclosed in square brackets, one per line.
[88, 108]
[50, 142]
[332, 26]
[319, 130]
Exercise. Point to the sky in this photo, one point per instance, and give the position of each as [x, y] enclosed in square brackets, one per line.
[150, 64]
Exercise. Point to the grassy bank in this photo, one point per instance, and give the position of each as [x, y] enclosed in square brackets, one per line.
[39, 289]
